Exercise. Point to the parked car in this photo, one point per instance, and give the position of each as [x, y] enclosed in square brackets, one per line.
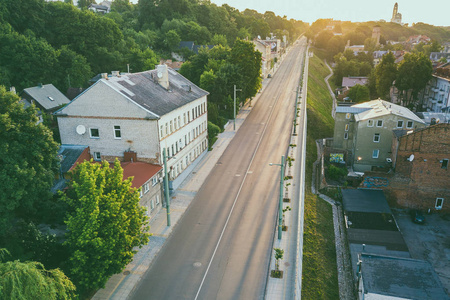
[417, 216]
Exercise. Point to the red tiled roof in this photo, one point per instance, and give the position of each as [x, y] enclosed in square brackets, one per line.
[141, 172]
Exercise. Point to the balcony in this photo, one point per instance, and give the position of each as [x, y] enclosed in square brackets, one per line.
[435, 89]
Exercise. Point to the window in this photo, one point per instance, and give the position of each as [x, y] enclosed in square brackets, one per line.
[152, 204]
[179, 122]
[444, 164]
[161, 131]
[348, 115]
[167, 129]
[171, 127]
[157, 199]
[439, 203]
[346, 136]
[369, 123]
[193, 113]
[379, 123]
[140, 193]
[400, 124]
[175, 127]
[94, 133]
[184, 118]
[375, 153]
[146, 188]
[117, 133]
[154, 180]
[97, 156]
[409, 124]
[376, 137]
[346, 127]
[188, 117]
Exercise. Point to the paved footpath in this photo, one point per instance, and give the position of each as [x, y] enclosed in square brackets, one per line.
[120, 286]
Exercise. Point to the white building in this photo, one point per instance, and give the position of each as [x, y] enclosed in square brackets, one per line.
[436, 95]
[143, 113]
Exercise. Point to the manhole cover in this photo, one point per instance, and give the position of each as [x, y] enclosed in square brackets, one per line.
[126, 272]
[197, 264]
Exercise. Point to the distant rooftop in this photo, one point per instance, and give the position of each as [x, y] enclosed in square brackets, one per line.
[385, 277]
[47, 95]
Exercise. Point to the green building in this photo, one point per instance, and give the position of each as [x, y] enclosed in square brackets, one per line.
[364, 132]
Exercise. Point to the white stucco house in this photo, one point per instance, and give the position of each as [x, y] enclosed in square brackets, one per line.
[142, 113]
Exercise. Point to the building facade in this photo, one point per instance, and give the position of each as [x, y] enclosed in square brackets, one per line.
[422, 171]
[436, 95]
[142, 113]
[364, 131]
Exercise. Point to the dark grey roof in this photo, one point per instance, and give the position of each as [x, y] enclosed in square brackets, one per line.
[400, 132]
[69, 155]
[400, 277]
[187, 44]
[144, 89]
[364, 200]
[48, 96]
[197, 47]
[350, 109]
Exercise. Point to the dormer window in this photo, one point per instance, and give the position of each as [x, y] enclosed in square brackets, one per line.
[50, 98]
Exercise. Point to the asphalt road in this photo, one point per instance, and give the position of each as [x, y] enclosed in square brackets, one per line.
[221, 247]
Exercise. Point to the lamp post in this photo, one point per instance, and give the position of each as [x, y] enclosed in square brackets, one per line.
[280, 204]
[166, 186]
[234, 111]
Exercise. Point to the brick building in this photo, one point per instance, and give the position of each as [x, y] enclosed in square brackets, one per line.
[421, 161]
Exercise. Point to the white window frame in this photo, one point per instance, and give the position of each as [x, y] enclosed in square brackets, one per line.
[90, 133]
[157, 200]
[412, 124]
[400, 122]
[97, 156]
[345, 135]
[117, 130]
[370, 123]
[141, 193]
[146, 188]
[381, 125]
[439, 207]
[377, 153]
[154, 180]
[152, 204]
[162, 131]
[376, 137]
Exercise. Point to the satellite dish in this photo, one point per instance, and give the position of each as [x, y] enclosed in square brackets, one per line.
[81, 129]
[411, 158]
[160, 74]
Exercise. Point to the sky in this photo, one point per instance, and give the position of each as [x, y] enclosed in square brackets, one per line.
[434, 12]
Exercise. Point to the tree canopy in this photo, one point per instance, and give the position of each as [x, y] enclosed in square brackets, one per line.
[28, 159]
[104, 223]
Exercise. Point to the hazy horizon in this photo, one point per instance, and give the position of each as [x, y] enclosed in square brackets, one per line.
[349, 10]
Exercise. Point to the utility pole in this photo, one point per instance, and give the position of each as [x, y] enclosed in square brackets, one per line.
[234, 111]
[166, 186]
[280, 201]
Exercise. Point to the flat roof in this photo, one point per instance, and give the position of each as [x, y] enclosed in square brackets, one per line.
[365, 200]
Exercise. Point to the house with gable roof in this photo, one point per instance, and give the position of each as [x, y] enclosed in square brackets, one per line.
[364, 132]
[140, 113]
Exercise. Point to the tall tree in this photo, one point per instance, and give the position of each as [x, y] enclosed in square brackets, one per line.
[104, 223]
[385, 74]
[28, 160]
[359, 93]
[248, 60]
[413, 74]
[30, 280]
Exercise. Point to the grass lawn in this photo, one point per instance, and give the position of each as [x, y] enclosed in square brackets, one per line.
[319, 278]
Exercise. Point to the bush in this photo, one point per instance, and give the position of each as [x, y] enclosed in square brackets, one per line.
[213, 131]
[336, 173]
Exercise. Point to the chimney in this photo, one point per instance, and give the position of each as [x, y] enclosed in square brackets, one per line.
[115, 73]
[105, 75]
[162, 74]
[12, 90]
[40, 85]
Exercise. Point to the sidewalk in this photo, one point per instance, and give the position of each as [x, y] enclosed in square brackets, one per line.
[120, 286]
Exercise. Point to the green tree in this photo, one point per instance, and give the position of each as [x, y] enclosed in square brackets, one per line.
[248, 60]
[323, 38]
[413, 74]
[213, 131]
[359, 93]
[278, 255]
[28, 160]
[385, 74]
[219, 39]
[104, 223]
[30, 280]
[171, 40]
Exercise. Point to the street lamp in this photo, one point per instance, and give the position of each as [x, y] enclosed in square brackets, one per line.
[166, 186]
[280, 205]
[235, 90]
